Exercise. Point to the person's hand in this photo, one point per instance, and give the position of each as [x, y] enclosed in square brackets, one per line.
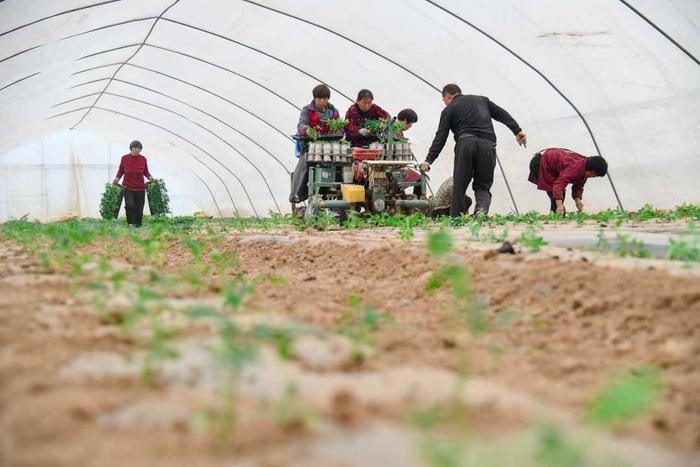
[521, 138]
[364, 131]
[560, 207]
[425, 166]
[115, 182]
[579, 204]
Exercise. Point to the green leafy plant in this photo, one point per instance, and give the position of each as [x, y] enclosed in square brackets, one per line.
[628, 396]
[554, 450]
[359, 323]
[375, 126]
[530, 240]
[337, 125]
[406, 231]
[312, 133]
[110, 201]
[628, 246]
[158, 199]
[686, 249]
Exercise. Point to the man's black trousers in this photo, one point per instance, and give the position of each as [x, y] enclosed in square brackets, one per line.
[474, 158]
[133, 204]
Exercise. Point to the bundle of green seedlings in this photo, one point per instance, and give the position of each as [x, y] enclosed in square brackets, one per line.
[158, 199]
[110, 201]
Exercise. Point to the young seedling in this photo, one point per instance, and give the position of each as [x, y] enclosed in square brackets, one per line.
[530, 240]
[628, 246]
[686, 249]
[629, 396]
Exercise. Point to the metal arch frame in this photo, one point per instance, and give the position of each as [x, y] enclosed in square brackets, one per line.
[113, 49]
[76, 35]
[150, 31]
[257, 169]
[19, 80]
[221, 36]
[249, 112]
[183, 103]
[260, 85]
[166, 130]
[209, 190]
[661, 31]
[352, 41]
[542, 75]
[65, 12]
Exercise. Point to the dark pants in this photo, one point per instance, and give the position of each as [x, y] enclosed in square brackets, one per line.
[133, 204]
[474, 157]
[300, 180]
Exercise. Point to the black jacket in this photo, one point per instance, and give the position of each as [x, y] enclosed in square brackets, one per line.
[472, 115]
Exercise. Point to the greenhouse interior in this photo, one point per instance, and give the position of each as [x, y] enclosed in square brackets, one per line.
[350, 233]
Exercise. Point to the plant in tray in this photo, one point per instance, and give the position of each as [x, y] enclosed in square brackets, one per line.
[375, 126]
[337, 125]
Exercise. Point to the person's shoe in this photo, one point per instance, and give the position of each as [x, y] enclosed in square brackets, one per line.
[294, 199]
[478, 212]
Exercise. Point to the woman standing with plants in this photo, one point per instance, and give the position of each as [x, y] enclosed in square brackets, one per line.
[358, 114]
[134, 168]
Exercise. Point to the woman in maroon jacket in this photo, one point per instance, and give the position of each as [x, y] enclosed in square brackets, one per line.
[134, 167]
[362, 110]
[553, 169]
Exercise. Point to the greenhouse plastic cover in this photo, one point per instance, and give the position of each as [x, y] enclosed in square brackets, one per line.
[213, 89]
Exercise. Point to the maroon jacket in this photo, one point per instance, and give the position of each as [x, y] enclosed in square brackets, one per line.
[356, 120]
[134, 168]
[558, 168]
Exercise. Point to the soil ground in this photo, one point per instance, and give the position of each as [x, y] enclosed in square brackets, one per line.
[565, 322]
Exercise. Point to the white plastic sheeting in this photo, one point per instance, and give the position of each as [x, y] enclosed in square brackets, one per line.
[213, 88]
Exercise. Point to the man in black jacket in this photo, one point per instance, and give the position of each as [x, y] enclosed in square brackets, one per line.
[469, 118]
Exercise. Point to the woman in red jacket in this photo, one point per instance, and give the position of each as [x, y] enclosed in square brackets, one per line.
[552, 169]
[134, 167]
[362, 110]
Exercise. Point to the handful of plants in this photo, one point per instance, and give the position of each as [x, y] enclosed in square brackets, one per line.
[111, 201]
[337, 125]
[158, 199]
[375, 126]
[312, 133]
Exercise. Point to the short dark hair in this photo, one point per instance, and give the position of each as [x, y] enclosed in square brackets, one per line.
[407, 115]
[365, 93]
[321, 91]
[451, 90]
[136, 144]
[597, 164]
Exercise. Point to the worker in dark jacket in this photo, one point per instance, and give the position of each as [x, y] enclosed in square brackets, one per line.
[362, 110]
[553, 169]
[469, 118]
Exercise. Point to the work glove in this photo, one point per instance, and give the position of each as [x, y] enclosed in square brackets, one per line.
[364, 132]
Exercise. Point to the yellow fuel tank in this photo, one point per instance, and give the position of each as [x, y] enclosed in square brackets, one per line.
[352, 193]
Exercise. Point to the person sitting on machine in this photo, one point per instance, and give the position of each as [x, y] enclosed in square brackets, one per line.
[407, 117]
[313, 122]
[553, 169]
[362, 110]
